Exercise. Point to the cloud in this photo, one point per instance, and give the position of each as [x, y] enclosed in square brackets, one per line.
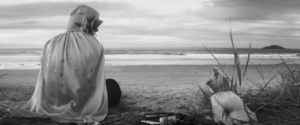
[46, 9]
[267, 21]
[251, 10]
[44, 15]
[28, 25]
[190, 23]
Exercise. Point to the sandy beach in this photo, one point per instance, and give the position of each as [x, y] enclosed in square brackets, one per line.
[155, 87]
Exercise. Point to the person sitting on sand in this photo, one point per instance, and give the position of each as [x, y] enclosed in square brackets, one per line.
[71, 85]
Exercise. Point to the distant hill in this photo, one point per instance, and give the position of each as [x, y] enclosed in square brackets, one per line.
[273, 47]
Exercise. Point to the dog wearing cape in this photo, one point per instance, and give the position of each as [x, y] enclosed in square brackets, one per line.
[227, 107]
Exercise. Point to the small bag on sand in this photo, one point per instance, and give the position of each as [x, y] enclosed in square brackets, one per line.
[114, 92]
[228, 108]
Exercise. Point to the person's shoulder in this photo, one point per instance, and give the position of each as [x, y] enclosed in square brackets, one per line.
[53, 39]
[58, 36]
[89, 36]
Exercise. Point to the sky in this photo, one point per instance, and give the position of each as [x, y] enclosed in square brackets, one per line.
[157, 23]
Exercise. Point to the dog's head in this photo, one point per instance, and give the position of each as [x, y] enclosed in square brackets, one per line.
[218, 81]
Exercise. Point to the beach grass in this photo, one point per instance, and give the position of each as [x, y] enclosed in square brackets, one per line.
[273, 104]
[277, 103]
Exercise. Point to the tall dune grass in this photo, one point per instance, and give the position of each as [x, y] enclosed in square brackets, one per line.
[273, 104]
[1, 77]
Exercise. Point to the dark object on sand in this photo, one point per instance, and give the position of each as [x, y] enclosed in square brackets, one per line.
[113, 92]
[273, 47]
[180, 119]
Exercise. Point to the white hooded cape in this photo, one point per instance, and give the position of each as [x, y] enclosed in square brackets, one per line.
[71, 83]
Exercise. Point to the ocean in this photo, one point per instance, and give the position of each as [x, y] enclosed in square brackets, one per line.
[24, 58]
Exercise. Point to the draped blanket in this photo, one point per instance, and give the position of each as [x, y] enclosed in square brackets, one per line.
[228, 108]
[71, 83]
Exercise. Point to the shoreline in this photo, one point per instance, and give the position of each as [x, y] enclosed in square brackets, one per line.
[162, 71]
[107, 65]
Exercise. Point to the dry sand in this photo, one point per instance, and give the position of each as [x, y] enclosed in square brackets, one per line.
[158, 87]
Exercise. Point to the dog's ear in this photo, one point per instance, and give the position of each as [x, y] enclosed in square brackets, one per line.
[216, 72]
[216, 69]
[218, 76]
[214, 79]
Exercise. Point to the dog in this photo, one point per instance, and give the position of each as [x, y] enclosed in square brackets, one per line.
[114, 92]
[227, 107]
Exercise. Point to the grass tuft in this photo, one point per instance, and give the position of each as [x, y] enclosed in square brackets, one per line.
[273, 103]
[1, 77]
